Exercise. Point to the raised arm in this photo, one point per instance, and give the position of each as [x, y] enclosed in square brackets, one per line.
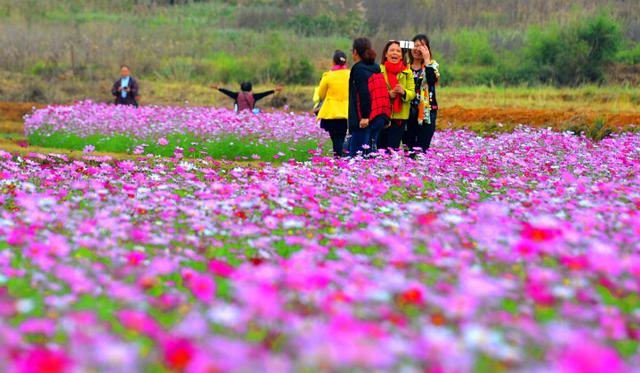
[259, 96]
[432, 73]
[233, 95]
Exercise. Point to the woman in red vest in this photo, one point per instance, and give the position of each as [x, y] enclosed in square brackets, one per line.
[246, 99]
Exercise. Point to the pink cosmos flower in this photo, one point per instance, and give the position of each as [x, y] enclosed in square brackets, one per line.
[44, 360]
[178, 353]
[203, 287]
[220, 268]
[46, 327]
[584, 356]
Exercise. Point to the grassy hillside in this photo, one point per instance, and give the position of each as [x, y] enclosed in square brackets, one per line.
[68, 49]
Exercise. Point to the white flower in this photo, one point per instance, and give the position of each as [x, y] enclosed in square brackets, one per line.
[24, 305]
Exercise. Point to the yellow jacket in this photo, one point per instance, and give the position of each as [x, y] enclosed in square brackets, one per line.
[405, 79]
[334, 90]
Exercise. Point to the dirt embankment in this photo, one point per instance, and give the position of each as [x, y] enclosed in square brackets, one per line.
[15, 111]
[533, 117]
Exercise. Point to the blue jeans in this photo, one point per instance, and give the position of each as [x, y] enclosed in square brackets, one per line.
[376, 128]
[359, 138]
[366, 136]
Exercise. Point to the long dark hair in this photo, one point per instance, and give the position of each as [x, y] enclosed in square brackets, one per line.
[362, 46]
[423, 38]
[383, 59]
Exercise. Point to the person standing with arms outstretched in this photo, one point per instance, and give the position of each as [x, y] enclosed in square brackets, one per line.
[125, 89]
[245, 99]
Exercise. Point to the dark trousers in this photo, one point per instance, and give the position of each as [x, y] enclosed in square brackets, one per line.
[128, 101]
[337, 129]
[418, 136]
[361, 137]
[377, 125]
[391, 136]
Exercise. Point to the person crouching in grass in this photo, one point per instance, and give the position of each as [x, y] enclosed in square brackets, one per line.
[334, 95]
[401, 91]
[125, 89]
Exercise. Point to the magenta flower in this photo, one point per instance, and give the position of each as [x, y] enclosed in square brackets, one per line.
[202, 286]
[43, 360]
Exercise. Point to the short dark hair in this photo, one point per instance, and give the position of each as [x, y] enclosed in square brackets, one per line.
[123, 66]
[246, 86]
[339, 58]
[362, 46]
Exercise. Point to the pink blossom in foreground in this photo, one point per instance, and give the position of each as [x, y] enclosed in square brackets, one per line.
[517, 252]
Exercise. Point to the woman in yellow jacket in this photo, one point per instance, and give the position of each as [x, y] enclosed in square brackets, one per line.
[401, 92]
[333, 92]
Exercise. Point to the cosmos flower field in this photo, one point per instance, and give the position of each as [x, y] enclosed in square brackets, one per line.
[516, 252]
[189, 132]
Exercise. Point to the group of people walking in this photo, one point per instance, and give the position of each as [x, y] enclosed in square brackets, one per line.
[380, 106]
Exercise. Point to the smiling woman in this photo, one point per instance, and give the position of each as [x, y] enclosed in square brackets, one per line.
[401, 86]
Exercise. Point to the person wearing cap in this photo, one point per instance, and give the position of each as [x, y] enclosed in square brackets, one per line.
[333, 97]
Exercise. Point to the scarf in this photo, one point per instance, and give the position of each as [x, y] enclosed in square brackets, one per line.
[393, 69]
[339, 67]
[124, 83]
[424, 106]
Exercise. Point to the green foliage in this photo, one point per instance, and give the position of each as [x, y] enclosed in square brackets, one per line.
[630, 56]
[228, 148]
[291, 41]
[572, 54]
[474, 48]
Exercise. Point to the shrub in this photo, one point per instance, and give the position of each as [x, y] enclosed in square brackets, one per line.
[572, 54]
[474, 48]
[630, 56]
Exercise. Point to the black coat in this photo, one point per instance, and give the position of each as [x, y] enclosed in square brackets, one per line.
[359, 95]
[132, 95]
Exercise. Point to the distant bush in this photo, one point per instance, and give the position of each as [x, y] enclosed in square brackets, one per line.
[293, 71]
[474, 48]
[630, 56]
[572, 54]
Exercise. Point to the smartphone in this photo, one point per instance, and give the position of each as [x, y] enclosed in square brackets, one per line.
[407, 44]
